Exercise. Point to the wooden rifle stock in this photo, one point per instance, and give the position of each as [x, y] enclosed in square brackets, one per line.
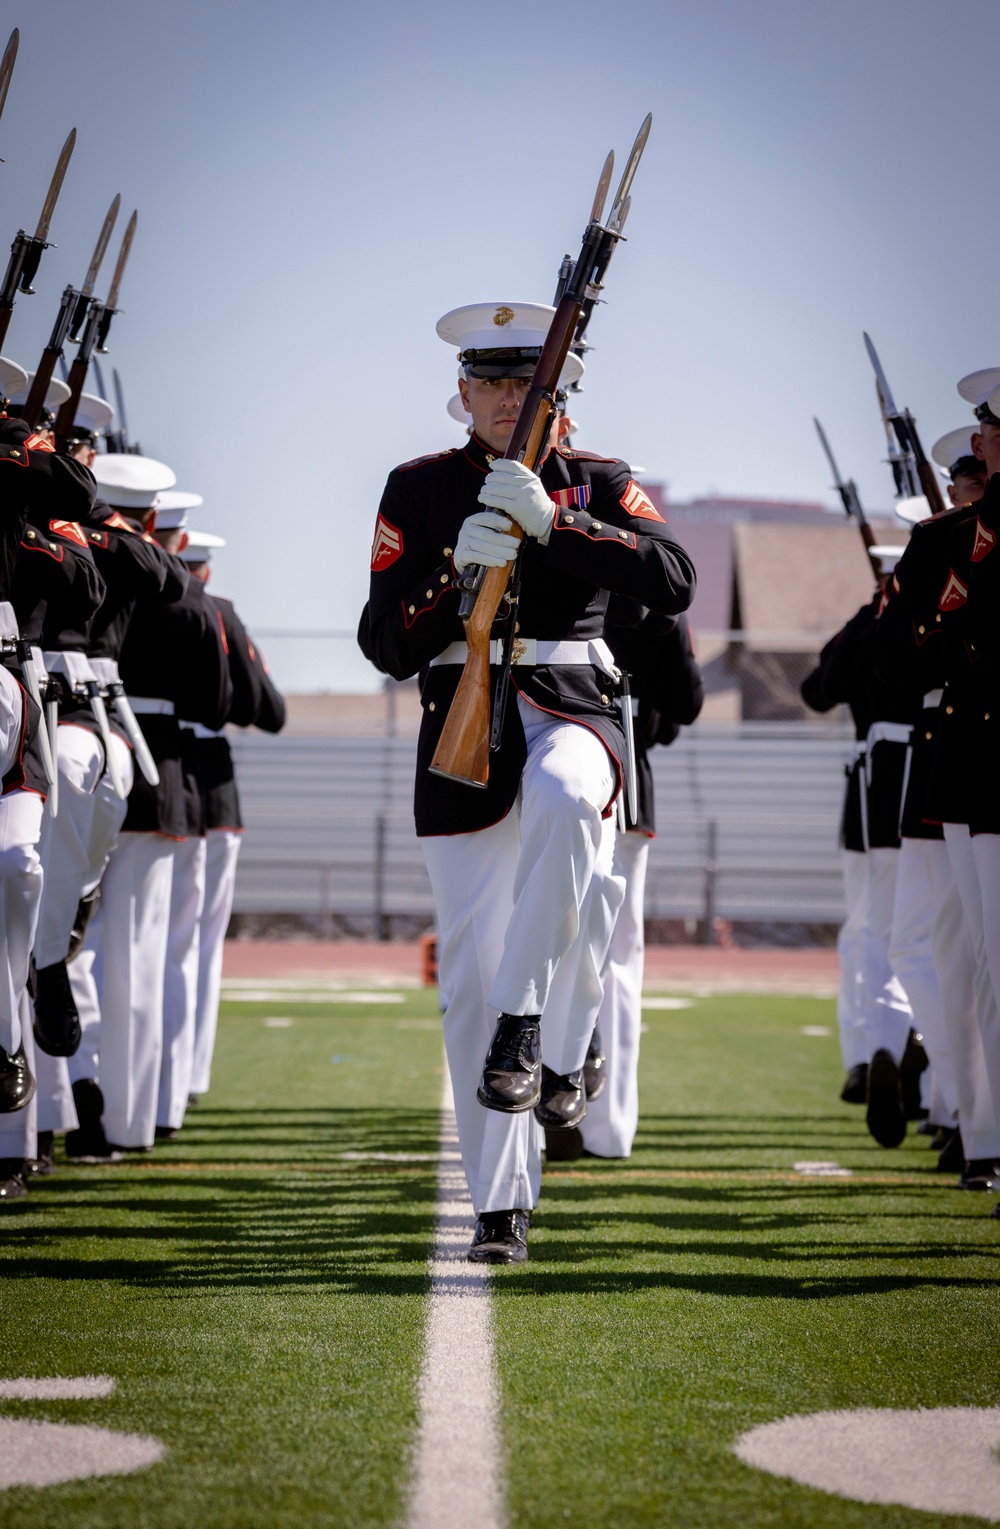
[463, 749]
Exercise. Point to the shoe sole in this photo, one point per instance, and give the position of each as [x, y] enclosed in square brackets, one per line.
[499, 1256]
[504, 1108]
[51, 1049]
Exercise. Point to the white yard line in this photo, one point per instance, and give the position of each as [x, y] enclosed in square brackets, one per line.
[456, 1481]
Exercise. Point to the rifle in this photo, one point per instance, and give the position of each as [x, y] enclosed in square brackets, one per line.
[851, 500]
[910, 456]
[73, 309]
[95, 335]
[26, 250]
[463, 748]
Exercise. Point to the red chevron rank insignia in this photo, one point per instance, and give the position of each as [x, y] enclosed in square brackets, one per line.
[387, 546]
[954, 594]
[38, 443]
[984, 543]
[635, 502]
[119, 522]
[71, 530]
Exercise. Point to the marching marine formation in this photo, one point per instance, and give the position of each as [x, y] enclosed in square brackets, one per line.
[920, 973]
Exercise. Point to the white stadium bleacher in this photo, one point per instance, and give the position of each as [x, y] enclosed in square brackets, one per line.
[747, 815]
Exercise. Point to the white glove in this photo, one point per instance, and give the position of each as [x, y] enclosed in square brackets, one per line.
[518, 492]
[482, 539]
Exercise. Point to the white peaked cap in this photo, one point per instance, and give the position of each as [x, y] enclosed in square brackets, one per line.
[458, 411]
[130, 482]
[199, 546]
[913, 509]
[505, 326]
[994, 402]
[58, 392]
[172, 506]
[887, 556]
[957, 443]
[13, 378]
[93, 413]
[977, 386]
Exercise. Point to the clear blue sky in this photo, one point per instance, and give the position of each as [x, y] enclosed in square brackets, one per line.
[317, 183]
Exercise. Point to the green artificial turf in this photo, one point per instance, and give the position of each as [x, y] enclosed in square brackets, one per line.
[674, 1301]
[258, 1296]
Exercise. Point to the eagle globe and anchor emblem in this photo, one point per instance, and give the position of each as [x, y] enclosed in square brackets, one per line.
[503, 316]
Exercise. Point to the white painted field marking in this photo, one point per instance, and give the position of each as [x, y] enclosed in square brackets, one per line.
[938, 1459]
[42, 1454]
[817, 1030]
[56, 1388]
[668, 1003]
[278, 1022]
[456, 1474]
[391, 1157]
[822, 1170]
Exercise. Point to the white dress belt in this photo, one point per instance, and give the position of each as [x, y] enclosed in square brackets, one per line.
[75, 666]
[531, 651]
[933, 698]
[201, 731]
[148, 706]
[885, 732]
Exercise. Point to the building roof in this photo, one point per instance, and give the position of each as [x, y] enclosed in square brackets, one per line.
[791, 579]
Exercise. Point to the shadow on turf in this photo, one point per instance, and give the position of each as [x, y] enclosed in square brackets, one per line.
[306, 1217]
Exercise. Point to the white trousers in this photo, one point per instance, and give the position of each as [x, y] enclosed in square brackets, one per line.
[56, 1110]
[221, 854]
[76, 844]
[180, 984]
[911, 956]
[134, 925]
[976, 864]
[885, 1009]
[610, 1123]
[19, 1128]
[511, 902]
[850, 1005]
[20, 893]
[955, 960]
[85, 980]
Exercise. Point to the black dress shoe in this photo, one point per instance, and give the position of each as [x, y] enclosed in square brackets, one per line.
[885, 1116]
[501, 1237]
[193, 1101]
[564, 1146]
[40, 1166]
[595, 1067]
[564, 1100]
[512, 1071]
[951, 1158]
[914, 1062]
[855, 1089]
[939, 1138]
[57, 1021]
[89, 1144]
[995, 1212]
[167, 1133]
[981, 1173]
[12, 1180]
[17, 1086]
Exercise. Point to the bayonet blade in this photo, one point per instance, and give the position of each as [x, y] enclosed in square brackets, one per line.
[123, 254]
[632, 164]
[42, 231]
[829, 453]
[890, 406]
[597, 211]
[87, 290]
[7, 66]
[120, 401]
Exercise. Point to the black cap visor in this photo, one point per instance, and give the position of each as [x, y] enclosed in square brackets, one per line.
[501, 363]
